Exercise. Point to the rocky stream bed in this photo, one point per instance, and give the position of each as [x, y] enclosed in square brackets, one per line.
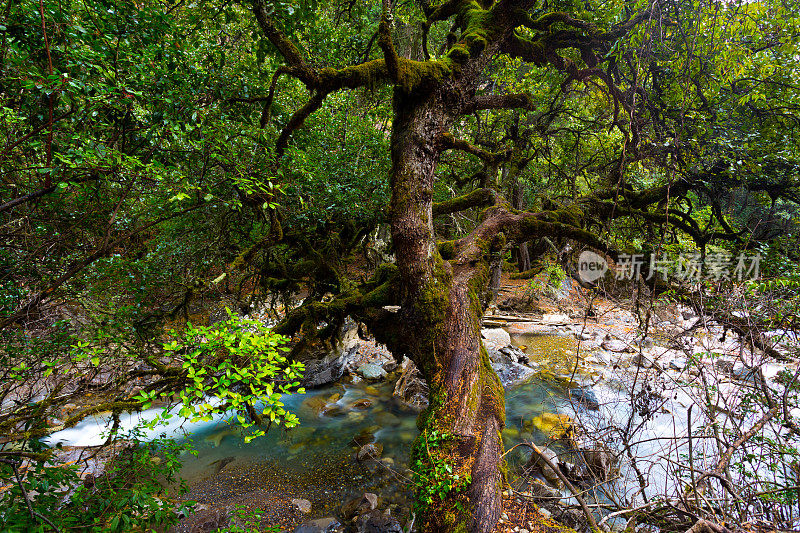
[571, 383]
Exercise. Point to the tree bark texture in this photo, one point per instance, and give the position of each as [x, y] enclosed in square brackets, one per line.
[441, 313]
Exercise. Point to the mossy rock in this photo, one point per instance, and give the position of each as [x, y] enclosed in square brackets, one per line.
[556, 426]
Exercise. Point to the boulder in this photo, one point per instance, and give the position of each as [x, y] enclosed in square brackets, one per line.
[371, 371]
[515, 354]
[410, 388]
[599, 462]
[646, 343]
[511, 373]
[543, 493]
[724, 366]
[645, 361]
[742, 373]
[495, 338]
[565, 290]
[603, 357]
[614, 345]
[538, 466]
[573, 518]
[556, 320]
[679, 363]
[326, 363]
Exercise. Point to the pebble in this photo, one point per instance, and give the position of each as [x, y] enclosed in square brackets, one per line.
[302, 505]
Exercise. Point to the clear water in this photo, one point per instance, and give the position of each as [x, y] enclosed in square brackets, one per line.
[318, 457]
[319, 454]
[316, 460]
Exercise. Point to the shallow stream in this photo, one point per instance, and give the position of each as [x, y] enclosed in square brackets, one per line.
[317, 461]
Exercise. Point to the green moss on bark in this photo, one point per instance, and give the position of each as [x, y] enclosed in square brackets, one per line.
[447, 249]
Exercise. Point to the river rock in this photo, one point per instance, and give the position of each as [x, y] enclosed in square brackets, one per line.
[205, 521]
[569, 517]
[679, 363]
[585, 397]
[646, 361]
[603, 357]
[495, 338]
[511, 373]
[556, 320]
[371, 371]
[599, 462]
[515, 354]
[543, 493]
[326, 362]
[302, 505]
[358, 506]
[537, 465]
[320, 525]
[378, 522]
[742, 373]
[618, 346]
[410, 389]
[363, 403]
[724, 365]
[370, 451]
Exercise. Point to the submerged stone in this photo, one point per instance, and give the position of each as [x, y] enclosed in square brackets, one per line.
[320, 525]
[556, 426]
[363, 403]
[370, 451]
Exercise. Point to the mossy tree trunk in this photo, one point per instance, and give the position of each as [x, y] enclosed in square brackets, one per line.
[440, 313]
[458, 454]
